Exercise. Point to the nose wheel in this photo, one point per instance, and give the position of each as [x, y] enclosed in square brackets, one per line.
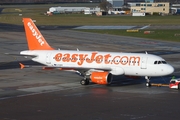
[148, 83]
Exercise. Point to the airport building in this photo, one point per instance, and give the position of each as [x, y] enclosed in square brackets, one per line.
[116, 6]
[116, 3]
[85, 10]
[175, 9]
[66, 9]
[150, 8]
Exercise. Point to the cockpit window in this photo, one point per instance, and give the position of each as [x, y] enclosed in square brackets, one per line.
[155, 62]
[164, 62]
[160, 62]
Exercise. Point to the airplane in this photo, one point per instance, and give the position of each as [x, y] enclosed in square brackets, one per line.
[94, 66]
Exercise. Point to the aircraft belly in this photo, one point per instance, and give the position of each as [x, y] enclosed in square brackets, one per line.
[129, 71]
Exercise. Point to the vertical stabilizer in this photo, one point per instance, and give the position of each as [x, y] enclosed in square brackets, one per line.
[34, 37]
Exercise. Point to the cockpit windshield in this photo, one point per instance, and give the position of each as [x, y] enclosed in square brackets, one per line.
[160, 62]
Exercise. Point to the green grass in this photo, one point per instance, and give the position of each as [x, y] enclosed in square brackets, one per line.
[81, 19]
[167, 35]
[10, 15]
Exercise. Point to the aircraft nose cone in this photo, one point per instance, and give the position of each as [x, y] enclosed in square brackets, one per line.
[170, 70]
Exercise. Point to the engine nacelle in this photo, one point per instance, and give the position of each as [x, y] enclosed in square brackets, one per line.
[102, 78]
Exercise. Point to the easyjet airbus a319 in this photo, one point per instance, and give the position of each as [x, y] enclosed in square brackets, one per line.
[96, 67]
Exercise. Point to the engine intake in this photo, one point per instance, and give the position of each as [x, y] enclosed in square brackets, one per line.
[102, 78]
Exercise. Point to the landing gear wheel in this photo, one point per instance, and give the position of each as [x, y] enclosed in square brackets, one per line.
[148, 84]
[84, 82]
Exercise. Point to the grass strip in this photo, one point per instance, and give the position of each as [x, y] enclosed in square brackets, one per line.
[167, 35]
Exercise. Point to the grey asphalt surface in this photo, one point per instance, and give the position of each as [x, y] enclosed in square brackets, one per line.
[54, 95]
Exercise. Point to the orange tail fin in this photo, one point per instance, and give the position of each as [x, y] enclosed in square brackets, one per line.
[34, 37]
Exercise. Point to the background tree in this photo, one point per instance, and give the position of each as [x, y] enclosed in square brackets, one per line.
[104, 5]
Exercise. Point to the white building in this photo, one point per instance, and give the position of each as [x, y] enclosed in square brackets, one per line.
[86, 10]
[91, 10]
[66, 9]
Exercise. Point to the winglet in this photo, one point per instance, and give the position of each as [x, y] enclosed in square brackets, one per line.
[34, 37]
[22, 65]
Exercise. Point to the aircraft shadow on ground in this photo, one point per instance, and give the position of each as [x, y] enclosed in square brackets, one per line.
[119, 80]
[15, 64]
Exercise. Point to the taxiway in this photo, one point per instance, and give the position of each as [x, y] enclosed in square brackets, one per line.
[39, 94]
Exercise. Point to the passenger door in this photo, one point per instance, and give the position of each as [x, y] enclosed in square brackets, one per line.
[144, 63]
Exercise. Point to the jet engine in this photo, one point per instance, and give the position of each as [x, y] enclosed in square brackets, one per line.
[102, 78]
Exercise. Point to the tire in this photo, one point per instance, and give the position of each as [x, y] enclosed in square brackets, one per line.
[148, 84]
[84, 82]
[178, 86]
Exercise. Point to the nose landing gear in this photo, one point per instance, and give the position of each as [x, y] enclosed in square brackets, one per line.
[84, 81]
[148, 83]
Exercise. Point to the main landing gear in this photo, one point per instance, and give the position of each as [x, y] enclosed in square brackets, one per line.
[84, 81]
[148, 83]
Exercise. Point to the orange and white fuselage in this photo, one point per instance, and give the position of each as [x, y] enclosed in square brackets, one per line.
[134, 64]
[93, 65]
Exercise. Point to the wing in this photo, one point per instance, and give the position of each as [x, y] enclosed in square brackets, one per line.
[81, 71]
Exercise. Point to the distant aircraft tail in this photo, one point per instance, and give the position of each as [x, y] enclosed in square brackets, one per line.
[34, 37]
